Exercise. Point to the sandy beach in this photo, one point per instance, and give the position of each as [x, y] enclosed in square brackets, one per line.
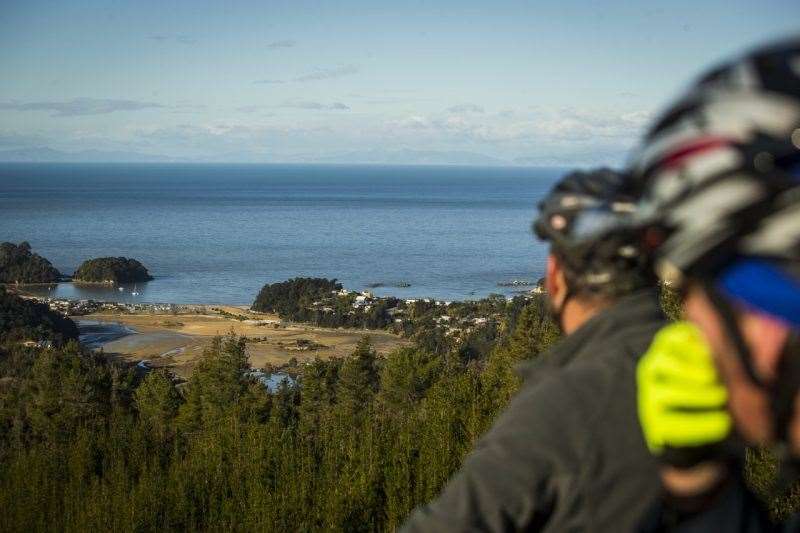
[176, 341]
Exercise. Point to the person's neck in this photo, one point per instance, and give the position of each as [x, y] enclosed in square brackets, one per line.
[577, 312]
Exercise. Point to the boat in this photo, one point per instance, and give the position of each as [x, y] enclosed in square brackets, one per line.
[121, 289]
[134, 292]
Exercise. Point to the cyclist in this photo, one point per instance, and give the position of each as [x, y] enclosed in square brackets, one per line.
[720, 173]
[567, 454]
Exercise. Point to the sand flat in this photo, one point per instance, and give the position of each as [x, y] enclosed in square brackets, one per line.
[177, 341]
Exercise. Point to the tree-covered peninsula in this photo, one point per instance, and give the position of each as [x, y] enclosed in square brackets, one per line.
[26, 320]
[291, 298]
[19, 265]
[111, 270]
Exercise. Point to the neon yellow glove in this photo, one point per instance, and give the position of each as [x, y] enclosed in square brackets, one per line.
[682, 403]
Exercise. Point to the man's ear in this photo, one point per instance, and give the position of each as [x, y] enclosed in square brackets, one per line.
[554, 282]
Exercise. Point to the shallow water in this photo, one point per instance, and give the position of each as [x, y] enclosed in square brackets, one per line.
[95, 333]
[217, 233]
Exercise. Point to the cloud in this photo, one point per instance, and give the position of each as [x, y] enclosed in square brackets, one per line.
[80, 106]
[465, 108]
[328, 73]
[413, 122]
[260, 110]
[13, 139]
[305, 104]
[378, 100]
[180, 38]
[548, 128]
[218, 140]
[287, 43]
[316, 75]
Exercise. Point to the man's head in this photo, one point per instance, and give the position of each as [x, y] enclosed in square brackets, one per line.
[720, 173]
[594, 257]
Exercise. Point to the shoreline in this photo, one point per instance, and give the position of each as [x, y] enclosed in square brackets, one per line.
[507, 287]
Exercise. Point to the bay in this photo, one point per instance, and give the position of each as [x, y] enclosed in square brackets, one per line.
[215, 233]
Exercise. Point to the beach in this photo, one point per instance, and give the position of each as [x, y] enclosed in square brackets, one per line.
[176, 341]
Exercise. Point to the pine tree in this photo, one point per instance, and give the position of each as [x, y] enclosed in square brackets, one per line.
[533, 333]
[405, 377]
[157, 401]
[358, 380]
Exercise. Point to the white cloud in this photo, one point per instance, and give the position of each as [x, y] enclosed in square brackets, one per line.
[80, 106]
[180, 38]
[287, 43]
[328, 73]
[307, 104]
[465, 108]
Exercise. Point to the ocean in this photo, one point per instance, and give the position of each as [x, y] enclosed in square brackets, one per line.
[213, 233]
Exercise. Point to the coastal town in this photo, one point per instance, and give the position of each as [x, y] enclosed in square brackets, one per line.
[401, 314]
[289, 323]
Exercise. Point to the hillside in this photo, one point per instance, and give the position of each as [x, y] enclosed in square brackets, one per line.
[19, 265]
[27, 320]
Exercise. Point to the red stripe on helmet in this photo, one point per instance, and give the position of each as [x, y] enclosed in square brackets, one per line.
[696, 146]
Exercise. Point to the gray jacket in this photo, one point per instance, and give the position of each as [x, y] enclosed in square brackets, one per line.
[567, 454]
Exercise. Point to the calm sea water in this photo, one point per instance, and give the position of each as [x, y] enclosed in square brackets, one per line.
[217, 233]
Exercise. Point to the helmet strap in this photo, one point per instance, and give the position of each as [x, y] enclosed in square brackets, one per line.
[731, 326]
[557, 311]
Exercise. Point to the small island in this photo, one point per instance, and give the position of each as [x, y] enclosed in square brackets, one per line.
[19, 265]
[111, 270]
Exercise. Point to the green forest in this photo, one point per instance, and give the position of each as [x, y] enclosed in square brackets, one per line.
[19, 265]
[89, 444]
[111, 270]
[291, 297]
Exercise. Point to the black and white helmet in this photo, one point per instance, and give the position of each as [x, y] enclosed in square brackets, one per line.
[719, 170]
[585, 220]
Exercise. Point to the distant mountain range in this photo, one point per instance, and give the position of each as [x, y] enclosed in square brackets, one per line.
[409, 156]
[386, 157]
[49, 155]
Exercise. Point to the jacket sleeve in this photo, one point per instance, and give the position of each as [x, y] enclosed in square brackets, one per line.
[513, 478]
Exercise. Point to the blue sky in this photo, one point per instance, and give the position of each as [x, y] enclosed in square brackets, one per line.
[551, 82]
